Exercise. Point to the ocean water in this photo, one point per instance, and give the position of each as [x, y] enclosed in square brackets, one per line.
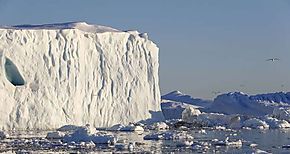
[254, 141]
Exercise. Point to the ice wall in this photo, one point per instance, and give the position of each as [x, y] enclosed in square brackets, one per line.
[75, 73]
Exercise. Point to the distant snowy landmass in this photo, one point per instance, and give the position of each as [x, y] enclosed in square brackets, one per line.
[76, 73]
[240, 103]
[279, 98]
[234, 110]
[229, 103]
[180, 97]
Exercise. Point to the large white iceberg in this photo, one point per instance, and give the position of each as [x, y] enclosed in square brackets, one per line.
[75, 73]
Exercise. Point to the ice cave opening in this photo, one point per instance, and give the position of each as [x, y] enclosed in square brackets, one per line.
[12, 73]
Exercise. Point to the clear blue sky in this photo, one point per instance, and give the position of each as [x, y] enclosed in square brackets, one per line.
[205, 45]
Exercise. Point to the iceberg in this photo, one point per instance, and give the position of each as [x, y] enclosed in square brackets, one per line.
[239, 103]
[178, 96]
[76, 74]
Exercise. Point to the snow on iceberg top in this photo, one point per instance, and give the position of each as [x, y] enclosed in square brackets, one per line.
[83, 26]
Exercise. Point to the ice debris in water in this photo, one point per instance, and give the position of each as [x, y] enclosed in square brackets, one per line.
[227, 142]
[168, 135]
[158, 126]
[84, 134]
[190, 113]
[275, 123]
[130, 127]
[129, 147]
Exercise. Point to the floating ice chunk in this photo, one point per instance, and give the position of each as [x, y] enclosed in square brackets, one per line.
[255, 124]
[190, 114]
[282, 113]
[103, 139]
[275, 123]
[173, 110]
[235, 122]
[90, 144]
[55, 135]
[184, 143]
[206, 119]
[83, 134]
[168, 136]
[132, 128]
[160, 136]
[196, 147]
[220, 128]
[131, 146]
[237, 143]
[259, 151]
[227, 142]
[253, 145]
[158, 126]
[120, 127]
[202, 131]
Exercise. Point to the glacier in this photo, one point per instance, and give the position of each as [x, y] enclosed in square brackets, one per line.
[76, 73]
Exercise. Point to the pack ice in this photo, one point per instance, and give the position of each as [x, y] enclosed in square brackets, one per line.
[76, 73]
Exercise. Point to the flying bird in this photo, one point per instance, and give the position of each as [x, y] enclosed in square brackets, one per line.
[282, 85]
[273, 59]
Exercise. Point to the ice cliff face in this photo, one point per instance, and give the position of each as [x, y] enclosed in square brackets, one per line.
[75, 73]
